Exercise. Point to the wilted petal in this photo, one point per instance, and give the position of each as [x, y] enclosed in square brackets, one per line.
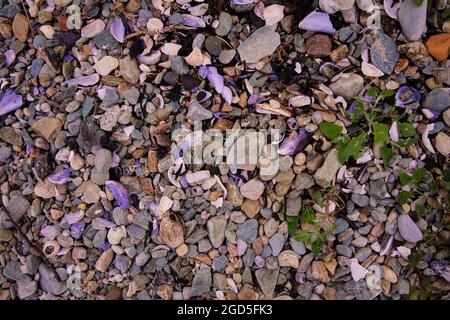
[60, 176]
[119, 192]
[358, 272]
[391, 8]
[393, 132]
[227, 94]
[290, 144]
[216, 81]
[10, 56]
[430, 114]
[117, 30]
[203, 71]
[370, 70]
[255, 98]
[195, 58]
[317, 22]
[406, 95]
[10, 101]
[237, 2]
[259, 10]
[193, 21]
[84, 81]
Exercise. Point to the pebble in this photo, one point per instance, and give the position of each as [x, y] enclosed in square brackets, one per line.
[348, 86]
[443, 144]
[438, 46]
[253, 189]
[216, 230]
[20, 27]
[325, 174]
[92, 29]
[318, 46]
[288, 258]
[104, 260]
[225, 24]
[105, 65]
[47, 127]
[248, 230]
[261, 43]
[332, 6]
[129, 70]
[26, 288]
[437, 100]
[412, 19]
[201, 282]
[267, 280]
[384, 53]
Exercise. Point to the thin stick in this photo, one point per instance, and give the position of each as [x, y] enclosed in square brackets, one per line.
[28, 18]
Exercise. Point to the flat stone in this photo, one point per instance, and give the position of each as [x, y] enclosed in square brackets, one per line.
[384, 53]
[437, 100]
[248, 230]
[17, 207]
[288, 258]
[443, 143]
[129, 70]
[11, 136]
[197, 112]
[105, 41]
[303, 181]
[252, 189]
[26, 288]
[102, 164]
[333, 6]
[216, 230]
[105, 65]
[20, 27]
[251, 207]
[277, 243]
[318, 46]
[104, 260]
[360, 199]
[267, 280]
[413, 19]
[225, 24]
[47, 127]
[48, 281]
[201, 282]
[293, 206]
[325, 174]
[347, 86]
[261, 43]
[92, 29]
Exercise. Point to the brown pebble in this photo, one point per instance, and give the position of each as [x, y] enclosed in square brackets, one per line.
[318, 46]
[20, 27]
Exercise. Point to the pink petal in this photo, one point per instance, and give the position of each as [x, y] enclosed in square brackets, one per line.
[10, 56]
[317, 22]
[393, 132]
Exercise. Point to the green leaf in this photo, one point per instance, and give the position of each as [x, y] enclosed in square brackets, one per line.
[373, 91]
[386, 155]
[350, 149]
[358, 110]
[304, 236]
[406, 129]
[330, 130]
[418, 175]
[292, 224]
[317, 198]
[308, 216]
[403, 197]
[381, 132]
[405, 178]
[417, 3]
[420, 209]
[403, 143]
[315, 247]
[387, 93]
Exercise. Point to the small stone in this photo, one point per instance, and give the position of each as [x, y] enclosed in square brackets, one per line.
[267, 280]
[102, 162]
[216, 230]
[45, 189]
[26, 288]
[348, 86]
[116, 234]
[360, 199]
[325, 174]
[20, 27]
[47, 127]
[248, 230]
[178, 65]
[11, 136]
[105, 65]
[201, 282]
[390, 275]
[93, 29]
[288, 258]
[319, 272]
[198, 176]
[318, 46]
[253, 189]
[438, 46]
[251, 207]
[437, 100]
[261, 43]
[48, 281]
[197, 112]
[277, 243]
[129, 70]
[413, 19]
[171, 230]
[293, 206]
[105, 40]
[443, 143]
[303, 181]
[332, 6]
[104, 260]
[17, 207]
[225, 24]
[408, 229]
[339, 53]
[384, 53]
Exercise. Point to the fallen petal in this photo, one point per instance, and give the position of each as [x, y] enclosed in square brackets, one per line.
[117, 30]
[10, 101]
[317, 22]
[119, 192]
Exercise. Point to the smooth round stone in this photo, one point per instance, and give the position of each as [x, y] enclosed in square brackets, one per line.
[225, 24]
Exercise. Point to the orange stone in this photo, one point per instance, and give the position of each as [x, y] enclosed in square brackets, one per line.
[438, 46]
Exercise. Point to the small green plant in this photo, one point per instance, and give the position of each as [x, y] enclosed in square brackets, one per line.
[369, 115]
[413, 179]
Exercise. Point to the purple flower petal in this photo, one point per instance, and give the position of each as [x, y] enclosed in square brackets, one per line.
[203, 72]
[254, 98]
[393, 132]
[183, 182]
[238, 2]
[430, 114]
[10, 56]
[290, 144]
[391, 8]
[84, 81]
[117, 30]
[119, 192]
[406, 95]
[227, 94]
[74, 217]
[77, 229]
[10, 101]
[60, 176]
[193, 21]
[317, 22]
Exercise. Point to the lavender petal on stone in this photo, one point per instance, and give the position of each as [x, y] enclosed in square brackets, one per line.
[406, 95]
[10, 101]
[193, 21]
[408, 229]
[119, 192]
[317, 22]
[10, 56]
[84, 81]
[117, 30]
[290, 144]
[60, 176]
